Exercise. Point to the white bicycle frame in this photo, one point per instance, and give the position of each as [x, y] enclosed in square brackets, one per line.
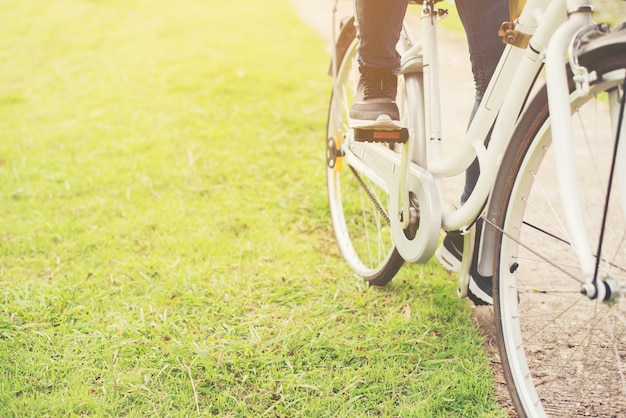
[552, 25]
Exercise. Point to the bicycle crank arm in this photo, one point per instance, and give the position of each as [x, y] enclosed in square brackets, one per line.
[382, 166]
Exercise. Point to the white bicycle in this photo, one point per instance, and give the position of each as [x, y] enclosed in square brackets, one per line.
[551, 196]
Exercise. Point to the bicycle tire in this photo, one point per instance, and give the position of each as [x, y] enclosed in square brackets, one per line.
[358, 207]
[562, 353]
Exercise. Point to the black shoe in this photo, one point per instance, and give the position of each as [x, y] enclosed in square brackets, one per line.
[480, 288]
[450, 255]
[375, 102]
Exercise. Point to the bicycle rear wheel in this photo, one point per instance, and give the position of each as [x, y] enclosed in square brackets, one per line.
[358, 206]
[563, 353]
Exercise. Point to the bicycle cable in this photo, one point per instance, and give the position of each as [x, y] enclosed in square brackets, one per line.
[610, 184]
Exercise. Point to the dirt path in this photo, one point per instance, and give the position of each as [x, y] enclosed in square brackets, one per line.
[457, 101]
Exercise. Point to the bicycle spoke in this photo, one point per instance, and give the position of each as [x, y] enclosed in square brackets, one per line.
[563, 335]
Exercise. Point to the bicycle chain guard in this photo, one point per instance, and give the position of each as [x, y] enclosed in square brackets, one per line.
[382, 164]
[417, 245]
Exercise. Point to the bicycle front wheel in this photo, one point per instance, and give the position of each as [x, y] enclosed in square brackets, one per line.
[358, 206]
[564, 352]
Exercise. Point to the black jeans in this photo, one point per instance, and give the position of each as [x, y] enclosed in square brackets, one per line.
[380, 22]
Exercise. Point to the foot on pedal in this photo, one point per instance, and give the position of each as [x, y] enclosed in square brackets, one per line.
[374, 106]
[388, 136]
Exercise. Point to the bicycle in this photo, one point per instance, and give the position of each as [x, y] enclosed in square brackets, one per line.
[553, 247]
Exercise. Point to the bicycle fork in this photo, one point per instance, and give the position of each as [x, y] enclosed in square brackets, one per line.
[579, 12]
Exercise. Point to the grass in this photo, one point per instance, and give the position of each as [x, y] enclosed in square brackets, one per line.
[165, 246]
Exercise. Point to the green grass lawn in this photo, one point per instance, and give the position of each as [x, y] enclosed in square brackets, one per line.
[165, 245]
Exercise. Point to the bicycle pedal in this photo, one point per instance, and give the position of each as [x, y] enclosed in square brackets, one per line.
[381, 135]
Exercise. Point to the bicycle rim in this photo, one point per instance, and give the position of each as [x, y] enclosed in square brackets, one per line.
[358, 207]
[563, 353]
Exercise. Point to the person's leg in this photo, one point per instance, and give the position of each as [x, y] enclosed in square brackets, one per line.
[379, 23]
[481, 20]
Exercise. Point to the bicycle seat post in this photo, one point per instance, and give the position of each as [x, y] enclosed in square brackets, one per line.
[429, 19]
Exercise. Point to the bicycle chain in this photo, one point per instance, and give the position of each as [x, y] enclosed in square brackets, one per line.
[369, 194]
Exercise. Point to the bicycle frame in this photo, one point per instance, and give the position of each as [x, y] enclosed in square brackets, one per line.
[554, 109]
[552, 25]
[504, 98]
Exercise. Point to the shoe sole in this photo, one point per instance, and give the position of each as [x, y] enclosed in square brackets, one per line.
[383, 122]
[483, 297]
